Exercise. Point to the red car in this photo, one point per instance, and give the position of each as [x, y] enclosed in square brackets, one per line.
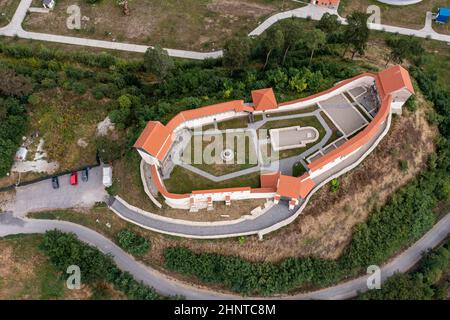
[74, 178]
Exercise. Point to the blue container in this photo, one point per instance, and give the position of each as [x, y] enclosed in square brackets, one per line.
[443, 15]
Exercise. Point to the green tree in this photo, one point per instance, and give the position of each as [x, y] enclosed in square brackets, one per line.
[158, 62]
[356, 33]
[403, 48]
[273, 41]
[314, 40]
[236, 52]
[329, 23]
[292, 33]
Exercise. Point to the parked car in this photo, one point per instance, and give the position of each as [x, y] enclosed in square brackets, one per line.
[85, 174]
[55, 182]
[74, 178]
[107, 176]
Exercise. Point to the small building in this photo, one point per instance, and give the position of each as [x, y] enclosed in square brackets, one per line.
[48, 4]
[443, 15]
[333, 4]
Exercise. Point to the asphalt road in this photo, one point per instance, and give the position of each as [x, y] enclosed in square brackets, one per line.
[169, 286]
[41, 195]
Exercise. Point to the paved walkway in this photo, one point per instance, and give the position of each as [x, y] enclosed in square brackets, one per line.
[14, 28]
[169, 286]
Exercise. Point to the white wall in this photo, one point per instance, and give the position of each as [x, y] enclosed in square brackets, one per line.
[148, 158]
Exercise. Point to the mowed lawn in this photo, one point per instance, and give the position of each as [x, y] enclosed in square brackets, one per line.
[187, 24]
[205, 153]
[7, 9]
[411, 16]
[184, 181]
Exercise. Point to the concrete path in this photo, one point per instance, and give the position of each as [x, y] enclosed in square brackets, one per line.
[14, 28]
[165, 285]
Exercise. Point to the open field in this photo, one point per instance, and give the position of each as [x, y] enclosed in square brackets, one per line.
[188, 24]
[412, 16]
[26, 273]
[7, 9]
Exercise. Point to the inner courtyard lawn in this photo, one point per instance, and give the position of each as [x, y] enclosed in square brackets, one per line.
[184, 181]
[210, 154]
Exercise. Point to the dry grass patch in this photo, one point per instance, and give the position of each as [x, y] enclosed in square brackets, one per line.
[7, 9]
[187, 24]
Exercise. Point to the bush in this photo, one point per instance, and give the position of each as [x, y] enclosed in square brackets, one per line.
[79, 87]
[133, 243]
[298, 169]
[403, 164]
[334, 186]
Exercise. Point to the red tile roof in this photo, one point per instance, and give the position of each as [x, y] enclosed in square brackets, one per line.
[155, 140]
[292, 187]
[269, 180]
[326, 2]
[235, 105]
[264, 99]
[395, 78]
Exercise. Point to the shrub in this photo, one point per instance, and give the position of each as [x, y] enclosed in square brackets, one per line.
[79, 87]
[334, 186]
[132, 242]
[403, 164]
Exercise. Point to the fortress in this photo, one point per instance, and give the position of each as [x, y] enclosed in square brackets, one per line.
[360, 108]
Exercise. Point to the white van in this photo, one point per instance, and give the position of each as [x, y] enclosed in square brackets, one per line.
[107, 176]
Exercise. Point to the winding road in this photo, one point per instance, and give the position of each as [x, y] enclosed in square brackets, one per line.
[165, 285]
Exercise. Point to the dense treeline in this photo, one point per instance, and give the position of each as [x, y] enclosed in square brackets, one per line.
[14, 89]
[430, 281]
[65, 249]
